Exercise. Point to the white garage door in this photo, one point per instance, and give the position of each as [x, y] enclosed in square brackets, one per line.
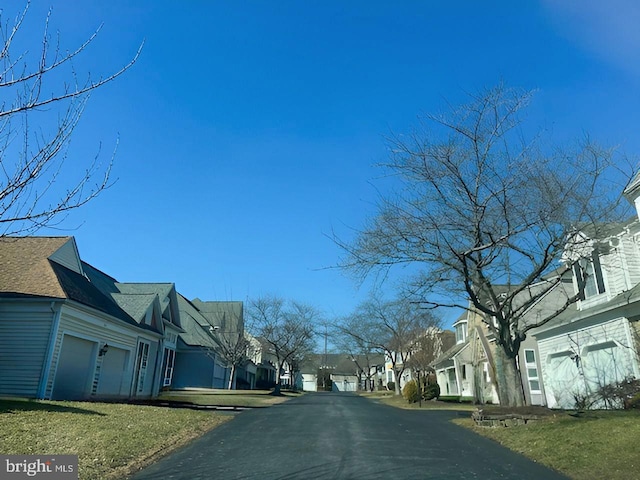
[75, 367]
[112, 370]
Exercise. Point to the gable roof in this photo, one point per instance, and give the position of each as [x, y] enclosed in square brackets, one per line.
[28, 269]
[227, 314]
[25, 266]
[195, 326]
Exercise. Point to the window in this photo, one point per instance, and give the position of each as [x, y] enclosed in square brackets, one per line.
[141, 365]
[588, 273]
[532, 371]
[461, 332]
[168, 362]
[464, 372]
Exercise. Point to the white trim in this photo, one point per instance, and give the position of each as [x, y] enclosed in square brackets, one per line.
[51, 348]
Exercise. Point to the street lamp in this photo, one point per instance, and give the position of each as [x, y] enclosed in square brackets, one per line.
[419, 388]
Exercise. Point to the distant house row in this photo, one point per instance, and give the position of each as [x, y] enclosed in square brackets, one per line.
[592, 344]
[70, 331]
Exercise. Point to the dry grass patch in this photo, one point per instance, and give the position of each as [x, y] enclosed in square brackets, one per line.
[110, 439]
[593, 446]
[398, 401]
[227, 398]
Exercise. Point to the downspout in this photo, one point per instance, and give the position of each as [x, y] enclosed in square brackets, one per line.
[56, 309]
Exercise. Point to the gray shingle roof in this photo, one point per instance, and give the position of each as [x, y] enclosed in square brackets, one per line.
[194, 325]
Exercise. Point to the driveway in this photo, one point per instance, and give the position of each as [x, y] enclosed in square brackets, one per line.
[343, 436]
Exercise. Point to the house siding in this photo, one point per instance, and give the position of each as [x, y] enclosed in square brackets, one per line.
[67, 256]
[632, 258]
[23, 350]
[78, 323]
[581, 360]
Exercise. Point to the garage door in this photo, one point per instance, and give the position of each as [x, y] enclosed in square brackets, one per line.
[75, 367]
[112, 371]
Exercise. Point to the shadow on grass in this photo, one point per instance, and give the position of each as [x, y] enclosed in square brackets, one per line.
[9, 406]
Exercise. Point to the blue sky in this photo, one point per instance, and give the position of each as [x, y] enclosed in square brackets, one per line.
[249, 130]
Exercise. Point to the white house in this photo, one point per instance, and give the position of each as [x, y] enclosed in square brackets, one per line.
[595, 343]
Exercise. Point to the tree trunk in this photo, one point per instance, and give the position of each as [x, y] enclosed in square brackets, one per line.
[278, 387]
[231, 375]
[398, 377]
[508, 379]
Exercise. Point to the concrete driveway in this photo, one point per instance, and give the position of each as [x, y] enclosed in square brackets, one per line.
[343, 436]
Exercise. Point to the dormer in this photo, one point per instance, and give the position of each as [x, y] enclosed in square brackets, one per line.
[461, 329]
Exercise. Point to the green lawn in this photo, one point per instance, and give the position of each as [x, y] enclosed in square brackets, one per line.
[594, 446]
[110, 439]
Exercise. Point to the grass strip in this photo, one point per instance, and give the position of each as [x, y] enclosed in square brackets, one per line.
[111, 439]
[592, 446]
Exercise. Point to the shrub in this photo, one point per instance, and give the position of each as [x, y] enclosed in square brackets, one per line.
[431, 391]
[633, 402]
[410, 392]
[391, 386]
[619, 394]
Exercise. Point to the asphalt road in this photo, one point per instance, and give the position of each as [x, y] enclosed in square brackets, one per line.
[343, 436]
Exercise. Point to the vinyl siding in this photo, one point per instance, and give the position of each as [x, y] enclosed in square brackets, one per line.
[632, 258]
[67, 256]
[77, 322]
[25, 329]
[564, 376]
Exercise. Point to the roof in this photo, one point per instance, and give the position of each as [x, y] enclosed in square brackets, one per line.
[449, 354]
[227, 315]
[81, 290]
[135, 305]
[26, 268]
[339, 363]
[195, 326]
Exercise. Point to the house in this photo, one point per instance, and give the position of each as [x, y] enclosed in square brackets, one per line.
[198, 364]
[340, 372]
[62, 337]
[227, 320]
[595, 343]
[149, 304]
[427, 348]
[454, 367]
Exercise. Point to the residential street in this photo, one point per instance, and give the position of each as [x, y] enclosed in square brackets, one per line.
[343, 436]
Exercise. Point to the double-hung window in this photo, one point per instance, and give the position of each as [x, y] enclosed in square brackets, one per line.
[532, 371]
[588, 273]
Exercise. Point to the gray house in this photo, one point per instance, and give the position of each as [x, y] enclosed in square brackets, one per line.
[61, 336]
[197, 360]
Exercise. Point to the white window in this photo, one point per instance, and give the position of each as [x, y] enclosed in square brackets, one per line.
[168, 362]
[532, 371]
[461, 332]
[588, 274]
[141, 365]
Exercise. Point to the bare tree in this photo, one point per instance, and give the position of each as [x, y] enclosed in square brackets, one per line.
[428, 347]
[41, 102]
[391, 327]
[286, 327]
[485, 214]
[358, 342]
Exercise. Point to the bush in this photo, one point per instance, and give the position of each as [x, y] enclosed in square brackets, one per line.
[391, 386]
[410, 392]
[431, 391]
[619, 394]
[633, 402]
